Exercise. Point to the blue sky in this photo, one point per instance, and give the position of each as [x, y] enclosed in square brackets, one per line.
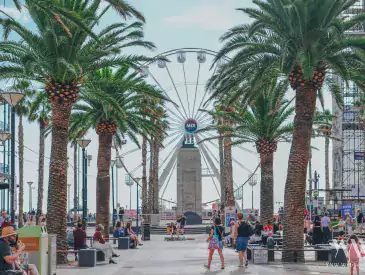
[175, 24]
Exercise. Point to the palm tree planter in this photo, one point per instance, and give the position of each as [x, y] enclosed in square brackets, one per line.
[304, 50]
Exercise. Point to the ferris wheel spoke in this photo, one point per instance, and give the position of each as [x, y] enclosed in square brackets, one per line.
[176, 119]
[148, 158]
[186, 89]
[205, 117]
[168, 180]
[206, 163]
[196, 88]
[177, 116]
[177, 93]
[205, 93]
[236, 161]
[247, 150]
[172, 158]
[169, 98]
[129, 152]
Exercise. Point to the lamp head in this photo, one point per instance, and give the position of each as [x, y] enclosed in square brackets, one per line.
[83, 142]
[12, 96]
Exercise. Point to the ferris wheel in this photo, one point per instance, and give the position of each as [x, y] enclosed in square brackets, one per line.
[182, 75]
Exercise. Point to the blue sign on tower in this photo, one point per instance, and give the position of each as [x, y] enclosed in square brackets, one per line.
[191, 126]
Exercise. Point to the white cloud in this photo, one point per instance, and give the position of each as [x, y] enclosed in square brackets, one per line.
[210, 17]
[22, 16]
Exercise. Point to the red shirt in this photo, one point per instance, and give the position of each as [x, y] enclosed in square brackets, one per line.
[268, 228]
[79, 238]
[98, 237]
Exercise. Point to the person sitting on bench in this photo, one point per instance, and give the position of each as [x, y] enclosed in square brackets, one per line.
[9, 259]
[129, 233]
[99, 243]
[79, 238]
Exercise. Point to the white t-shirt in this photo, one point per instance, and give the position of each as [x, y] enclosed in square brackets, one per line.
[325, 221]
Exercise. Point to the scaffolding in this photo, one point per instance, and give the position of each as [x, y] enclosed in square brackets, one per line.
[348, 163]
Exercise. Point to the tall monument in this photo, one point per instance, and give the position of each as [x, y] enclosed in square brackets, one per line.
[189, 178]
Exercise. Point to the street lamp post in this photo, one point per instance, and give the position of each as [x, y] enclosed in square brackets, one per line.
[12, 97]
[30, 183]
[137, 182]
[252, 182]
[129, 182]
[112, 163]
[4, 136]
[84, 143]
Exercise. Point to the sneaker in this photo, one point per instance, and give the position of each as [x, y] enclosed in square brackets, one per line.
[140, 244]
[207, 266]
[115, 256]
[246, 264]
[240, 265]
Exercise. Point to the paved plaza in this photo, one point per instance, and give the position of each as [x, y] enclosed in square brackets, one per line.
[157, 257]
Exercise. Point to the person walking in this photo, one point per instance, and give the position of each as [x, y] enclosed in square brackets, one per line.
[317, 231]
[242, 235]
[326, 228]
[360, 221]
[215, 241]
[353, 253]
[121, 213]
[349, 222]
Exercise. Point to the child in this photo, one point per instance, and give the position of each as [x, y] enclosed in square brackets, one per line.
[353, 253]
[341, 229]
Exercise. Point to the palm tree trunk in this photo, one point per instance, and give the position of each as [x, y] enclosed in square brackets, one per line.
[156, 188]
[230, 200]
[76, 199]
[21, 170]
[40, 169]
[144, 177]
[297, 169]
[103, 182]
[267, 187]
[57, 188]
[151, 186]
[326, 161]
[221, 170]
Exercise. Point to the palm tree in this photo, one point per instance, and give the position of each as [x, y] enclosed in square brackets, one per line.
[265, 123]
[111, 106]
[40, 111]
[61, 58]
[323, 120]
[57, 11]
[22, 109]
[159, 137]
[301, 40]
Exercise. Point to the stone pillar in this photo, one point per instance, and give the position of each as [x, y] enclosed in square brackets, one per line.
[189, 181]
